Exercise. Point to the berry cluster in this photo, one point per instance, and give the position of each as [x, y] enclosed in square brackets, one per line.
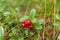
[27, 23]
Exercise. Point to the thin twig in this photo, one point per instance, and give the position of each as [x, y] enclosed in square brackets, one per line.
[54, 19]
[44, 22]
[27, 7]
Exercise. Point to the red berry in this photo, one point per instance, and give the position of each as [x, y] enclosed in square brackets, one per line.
[27, 22]
[23, 24]
[30, 27]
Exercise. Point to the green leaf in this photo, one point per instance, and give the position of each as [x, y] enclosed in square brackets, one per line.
[41, 21]
[58, 3]
[34, 20]
[23, 18]
[6, 13]
[37, 26]
[36, 37]
[57, 24]
[2, 0]
[17, 9]
[1, 9]
[1, 14]
[38, 23]
[32, 14]
[57, 16]
[12, 38]
[58, 37]
[49, 6]
[12, 21]
[13, 11]
[25, 33]
[1, 33]
[31, 32]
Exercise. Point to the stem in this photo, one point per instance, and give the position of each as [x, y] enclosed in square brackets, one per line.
[27, 6]
[54, 19]
[38, 34]
[37, 37]
[44, 22]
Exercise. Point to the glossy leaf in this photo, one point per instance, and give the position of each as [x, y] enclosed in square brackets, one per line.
[1, 9]
[25, 33]
[6, 13]
[58, 38]
[12, 21]
[23, 18]
[36, 37]
[32, 13]
[58, 3]
[1, 33]
[37, 26]
[57, 16]
[41, 21]
[57, 24]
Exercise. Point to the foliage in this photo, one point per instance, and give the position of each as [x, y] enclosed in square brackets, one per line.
[1, 33]
[14, 12]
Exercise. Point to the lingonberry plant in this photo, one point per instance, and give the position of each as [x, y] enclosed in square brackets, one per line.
[30, 23]
[31, 20]
[24, 26]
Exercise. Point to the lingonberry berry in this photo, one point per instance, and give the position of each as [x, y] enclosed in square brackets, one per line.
[27, 22]
[30, 27]
[23, 24]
